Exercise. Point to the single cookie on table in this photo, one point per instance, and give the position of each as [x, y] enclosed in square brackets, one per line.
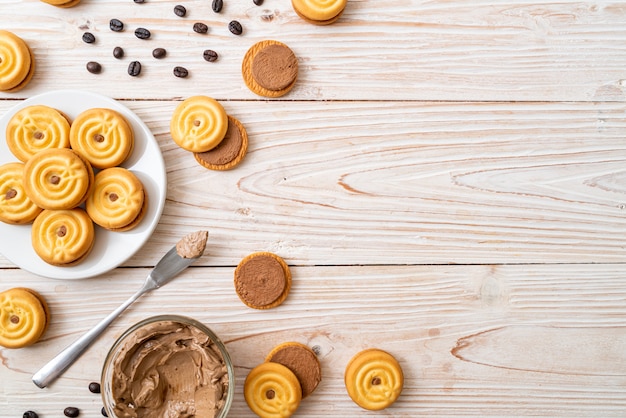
[373, 379]
[271, 390]
[103, 136]
[58, 179]
[319, 12]
[302, 361]
[63, 237]
[198, 124]
[229, 152]
[36, 128]
[24, 317]
[262, 280]
[15, 205]
[17, 62]
[270, 68]
[118, 200]
[62, 3]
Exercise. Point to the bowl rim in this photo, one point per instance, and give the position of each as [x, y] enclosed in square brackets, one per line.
[105, 378]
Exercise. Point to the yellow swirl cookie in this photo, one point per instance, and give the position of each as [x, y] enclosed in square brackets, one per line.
[63, 237]
[58, 179]
[319, 12]
[24, 317]
[62, 3]
[199, 124]
[373, 379]
[117, 201]
[271, 390]
[103, 136]
[15, 206]
[16, 62]
[36, 128]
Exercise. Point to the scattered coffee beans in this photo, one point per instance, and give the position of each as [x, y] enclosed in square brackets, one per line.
[30, 414]
[118, 52]
[200, 27]
[89, 38]
[181, 72]
[103, 412]
[217, 5]
[235, 27]
[180, 10]
[71, 412]
[116, 25]
[94, 67]
[209, 55]
[134, 68]
[94, 387]
[142, 33]
[258, 2]
[159, 53]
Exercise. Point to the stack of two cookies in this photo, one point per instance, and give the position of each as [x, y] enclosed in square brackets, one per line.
[17, 62]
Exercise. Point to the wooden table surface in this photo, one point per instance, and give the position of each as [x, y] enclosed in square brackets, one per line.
[447, 182]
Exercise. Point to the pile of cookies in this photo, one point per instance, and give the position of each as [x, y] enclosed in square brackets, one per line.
[55, 186]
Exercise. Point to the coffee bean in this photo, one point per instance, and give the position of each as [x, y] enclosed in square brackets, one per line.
[118, 52]
[181, 72]
[235, 27]
[209, 55]
[30, 414]
[94, 67]
[200, 27]
[258, 2]
[139, 1]
[142, 33]
[71, 412]
[94, 387]
[103, 411]
[116, 25]
[217, 5]
[134, 68]
[180, 10]
[89, 38]
[159, 53]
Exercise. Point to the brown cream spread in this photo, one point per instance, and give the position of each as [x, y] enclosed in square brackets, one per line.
[169, 369]
[192, 245]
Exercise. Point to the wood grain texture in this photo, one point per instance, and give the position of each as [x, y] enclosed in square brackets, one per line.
[543, 340]
[396, 50]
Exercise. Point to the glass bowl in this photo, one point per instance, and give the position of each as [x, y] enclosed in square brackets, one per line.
[168, 364]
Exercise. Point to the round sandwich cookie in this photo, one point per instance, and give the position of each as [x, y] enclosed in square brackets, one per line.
[302, 361]
[229, 152]
[199, 124]
[36, 128]
[271, 390]
[24, 317]
[17, 63]
[58, 179]
[118, 201]
[319, 12]
[270, 68]
[62, 3]
[63, 237]
[103, 136]
[262, 280]
[15, 206]
[373, 379]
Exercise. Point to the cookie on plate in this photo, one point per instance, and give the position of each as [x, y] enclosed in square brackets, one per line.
[63, 237]
[271, 390]
[118, 200]
[229, 152]
[58, 178]
[373, 379]
[302, 361]
[199, 124]
[15, 206]
[36, 128]
[24, 317]
[262, 280]
[17, 63]
[102, 136]
[270, 68]
[319, 12]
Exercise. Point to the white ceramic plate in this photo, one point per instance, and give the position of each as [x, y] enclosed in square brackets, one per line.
[110, 248]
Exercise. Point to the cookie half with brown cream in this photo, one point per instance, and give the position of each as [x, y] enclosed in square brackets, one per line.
[302, 361]
[229, 152]
[262, 280]
[270, 68]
